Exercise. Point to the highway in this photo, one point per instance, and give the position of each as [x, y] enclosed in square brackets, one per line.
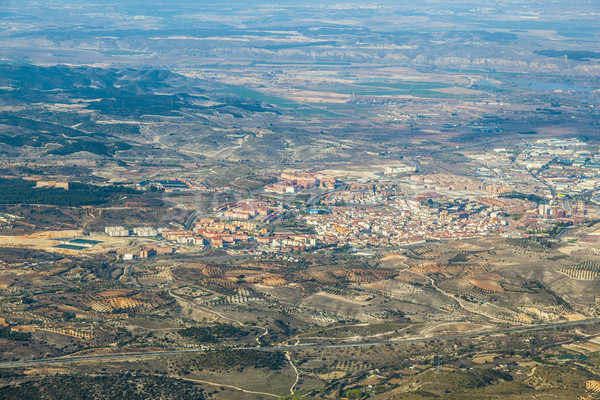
[163, 353]
[128, 274]
[534, 175]
[315, 197]
[563, 232]
[414, 158]
[189, 222]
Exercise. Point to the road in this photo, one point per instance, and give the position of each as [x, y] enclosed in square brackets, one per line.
[414, 159]
[289, 358]
[189, 222]
[128, 274]
[563, 232]
[550, 188]
[194, 304]
[314, 198]
[225, 385]
[464, 304]
[152, 354]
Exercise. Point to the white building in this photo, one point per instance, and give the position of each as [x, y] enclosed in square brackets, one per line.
[145, 231]
[116, 231]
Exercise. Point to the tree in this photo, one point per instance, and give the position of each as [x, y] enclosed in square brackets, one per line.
[354, 394]
[290, 397]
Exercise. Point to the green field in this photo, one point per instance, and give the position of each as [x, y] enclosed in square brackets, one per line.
[407, 85]
[276, 101]
[259, 96]
[417, 89]
[299, 63]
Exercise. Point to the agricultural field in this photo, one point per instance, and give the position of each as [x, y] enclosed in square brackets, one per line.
[392, 200]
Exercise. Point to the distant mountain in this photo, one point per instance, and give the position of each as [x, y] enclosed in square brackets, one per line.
[98, 101]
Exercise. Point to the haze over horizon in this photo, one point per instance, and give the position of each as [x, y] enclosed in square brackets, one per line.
[320, 199]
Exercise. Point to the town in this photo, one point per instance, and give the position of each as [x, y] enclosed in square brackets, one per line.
[251, 200]
[514, 199]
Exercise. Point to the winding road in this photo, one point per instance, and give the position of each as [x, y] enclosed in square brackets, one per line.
[283, 348]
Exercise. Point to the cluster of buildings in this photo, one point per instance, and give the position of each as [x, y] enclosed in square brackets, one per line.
[507, 204]
[563, 210]
[570, 179]
[294, 182]
[404, 221]
[364, 193]
[145, 231]
[456, 183]
[540, 153]
[260, 211]
[141, 231]
[182, 236]
[6, 218]
[397, 211]
[116, 231]
[221, 234]
[398, 169]
[155, 250]
[148, 250]
[547, 167]
[499, 172]
[177, 235]
[389, 215]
